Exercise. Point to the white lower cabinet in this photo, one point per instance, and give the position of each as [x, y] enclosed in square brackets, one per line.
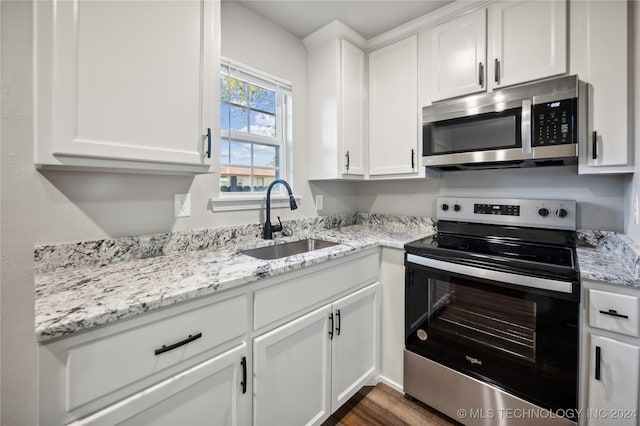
[211, 393]
[181, 365]
[315, 335]
[611, 351]
[305, 369]
[613, 382]
[291, 371]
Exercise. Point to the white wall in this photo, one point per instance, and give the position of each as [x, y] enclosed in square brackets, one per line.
[600, 198]
[21, 212]
[632, 186]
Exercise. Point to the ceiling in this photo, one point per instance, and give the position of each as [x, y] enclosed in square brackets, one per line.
[369, 18]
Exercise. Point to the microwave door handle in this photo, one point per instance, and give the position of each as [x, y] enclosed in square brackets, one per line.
[526, 126]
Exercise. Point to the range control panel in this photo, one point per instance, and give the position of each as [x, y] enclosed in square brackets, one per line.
[552, 214]
[501, 209]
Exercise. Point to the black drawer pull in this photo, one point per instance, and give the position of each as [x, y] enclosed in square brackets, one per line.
[168, 348]
[614, 313]
[331, 326]
[243, 383]
[339, 322]
[594, 142]
[597, 363]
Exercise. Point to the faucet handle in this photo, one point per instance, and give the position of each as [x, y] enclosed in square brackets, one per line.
[277, 228]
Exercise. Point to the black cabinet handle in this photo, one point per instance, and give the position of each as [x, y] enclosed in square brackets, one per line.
[243, 383]
[481, 74]
[496, 69]
[347, 155]
[331, 326]
[614, 313]
[598, 362]
[594, 142]
[413, 159]
[339, 322]
[168, 348]
[208, 142]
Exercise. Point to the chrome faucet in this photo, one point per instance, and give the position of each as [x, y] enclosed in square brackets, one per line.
[269, 229]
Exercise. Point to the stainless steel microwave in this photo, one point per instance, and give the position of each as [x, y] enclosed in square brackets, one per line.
[521, 126]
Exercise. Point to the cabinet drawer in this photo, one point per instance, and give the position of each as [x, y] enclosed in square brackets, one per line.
[614, 312]
[104, 365]
[294, 296]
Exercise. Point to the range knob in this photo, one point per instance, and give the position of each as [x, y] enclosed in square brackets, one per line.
[561, 213]
[456, 207]
[543, 212]
[445, 207]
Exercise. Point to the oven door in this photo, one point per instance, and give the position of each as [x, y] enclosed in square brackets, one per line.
[518, 338]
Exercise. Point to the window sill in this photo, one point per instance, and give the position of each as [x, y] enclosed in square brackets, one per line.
[228, 204]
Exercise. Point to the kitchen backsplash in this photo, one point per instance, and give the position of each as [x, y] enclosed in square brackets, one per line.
[69, 256]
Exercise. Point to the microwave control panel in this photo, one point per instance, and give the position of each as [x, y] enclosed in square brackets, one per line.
[554, 123]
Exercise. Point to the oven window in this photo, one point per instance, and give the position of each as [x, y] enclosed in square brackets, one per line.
[498, 321]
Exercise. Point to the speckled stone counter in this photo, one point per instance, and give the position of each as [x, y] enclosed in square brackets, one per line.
[83, 285]
[609, 257]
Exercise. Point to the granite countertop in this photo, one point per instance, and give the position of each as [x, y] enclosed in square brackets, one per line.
[88, 284]
[608, 257]
[72, 298]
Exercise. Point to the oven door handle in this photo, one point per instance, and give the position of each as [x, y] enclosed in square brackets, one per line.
[505, 277]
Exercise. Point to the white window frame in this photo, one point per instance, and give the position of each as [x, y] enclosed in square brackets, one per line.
[283, 138]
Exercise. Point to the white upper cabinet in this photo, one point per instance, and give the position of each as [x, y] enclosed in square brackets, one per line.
[599, 42]
[126, 85]
[511, 42]
[393, 109]
[353, 108]
[458, 49]
[336, 107]
[527, 40]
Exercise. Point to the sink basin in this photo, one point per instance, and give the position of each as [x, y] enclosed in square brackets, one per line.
[287, 249]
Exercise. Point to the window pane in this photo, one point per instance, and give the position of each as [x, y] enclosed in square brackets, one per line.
[236, 166]
[240, 153]
[262, 99]
[237, 91]
[265, 156]
[263, 124]
[225, 153]
[235, 169]
[224, 116]
[239, 118]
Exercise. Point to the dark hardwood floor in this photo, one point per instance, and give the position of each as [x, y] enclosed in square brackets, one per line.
[384, 406]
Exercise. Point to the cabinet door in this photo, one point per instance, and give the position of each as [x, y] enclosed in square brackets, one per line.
[210, 393]
[355, 343]
[292, 372]
[526, 41]
[352, 120]
[393, 109]
[126, 81]
[613, 386]
[599, 49]
[458, 52]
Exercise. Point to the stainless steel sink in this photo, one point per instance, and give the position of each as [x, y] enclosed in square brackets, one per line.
[287, 249]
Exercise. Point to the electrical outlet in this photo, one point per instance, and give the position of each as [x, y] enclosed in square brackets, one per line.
[635, 209]
[319, 202]
[182, 205]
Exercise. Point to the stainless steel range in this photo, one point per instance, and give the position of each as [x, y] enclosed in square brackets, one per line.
[492, 311]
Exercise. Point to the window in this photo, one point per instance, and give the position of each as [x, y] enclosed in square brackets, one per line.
[255, 116]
